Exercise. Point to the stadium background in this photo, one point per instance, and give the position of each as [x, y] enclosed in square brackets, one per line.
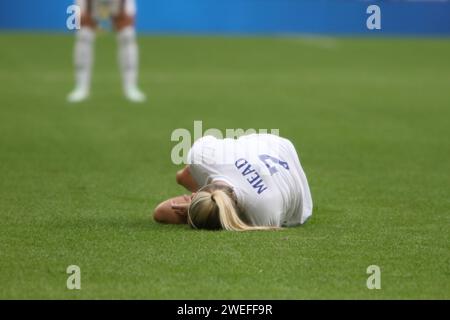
[426, 17]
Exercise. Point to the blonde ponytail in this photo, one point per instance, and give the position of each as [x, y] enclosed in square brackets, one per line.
[218, 209]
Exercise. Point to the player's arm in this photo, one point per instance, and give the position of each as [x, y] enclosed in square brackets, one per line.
[185, 179]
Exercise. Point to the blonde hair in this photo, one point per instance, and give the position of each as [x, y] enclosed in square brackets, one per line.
[215, 207]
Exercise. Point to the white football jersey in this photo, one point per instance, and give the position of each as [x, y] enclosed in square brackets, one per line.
[264, 171]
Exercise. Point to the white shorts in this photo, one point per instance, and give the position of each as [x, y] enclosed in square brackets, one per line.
[103, 9]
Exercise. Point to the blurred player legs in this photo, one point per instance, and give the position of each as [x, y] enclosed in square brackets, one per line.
[122, 13]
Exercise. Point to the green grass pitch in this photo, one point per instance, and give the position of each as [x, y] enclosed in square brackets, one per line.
[369, 117]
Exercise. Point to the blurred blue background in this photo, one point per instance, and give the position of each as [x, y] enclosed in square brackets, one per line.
[346, 17]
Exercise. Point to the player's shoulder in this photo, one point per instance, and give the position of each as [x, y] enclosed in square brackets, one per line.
[203, 141]
[202, 147]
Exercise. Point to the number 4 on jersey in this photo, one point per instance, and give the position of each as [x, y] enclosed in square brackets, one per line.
[272, 168]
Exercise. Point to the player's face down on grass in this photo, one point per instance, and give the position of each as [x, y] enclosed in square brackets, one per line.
[213, 207]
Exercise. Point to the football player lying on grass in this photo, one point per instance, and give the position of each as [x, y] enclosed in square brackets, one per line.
[255, 182]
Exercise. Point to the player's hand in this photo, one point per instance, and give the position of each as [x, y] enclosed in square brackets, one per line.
[182, 207]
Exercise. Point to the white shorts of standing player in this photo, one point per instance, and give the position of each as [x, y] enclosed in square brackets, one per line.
[122, 13]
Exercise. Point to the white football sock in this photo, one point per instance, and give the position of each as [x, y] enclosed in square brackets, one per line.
[84, 58]
[128, 57]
